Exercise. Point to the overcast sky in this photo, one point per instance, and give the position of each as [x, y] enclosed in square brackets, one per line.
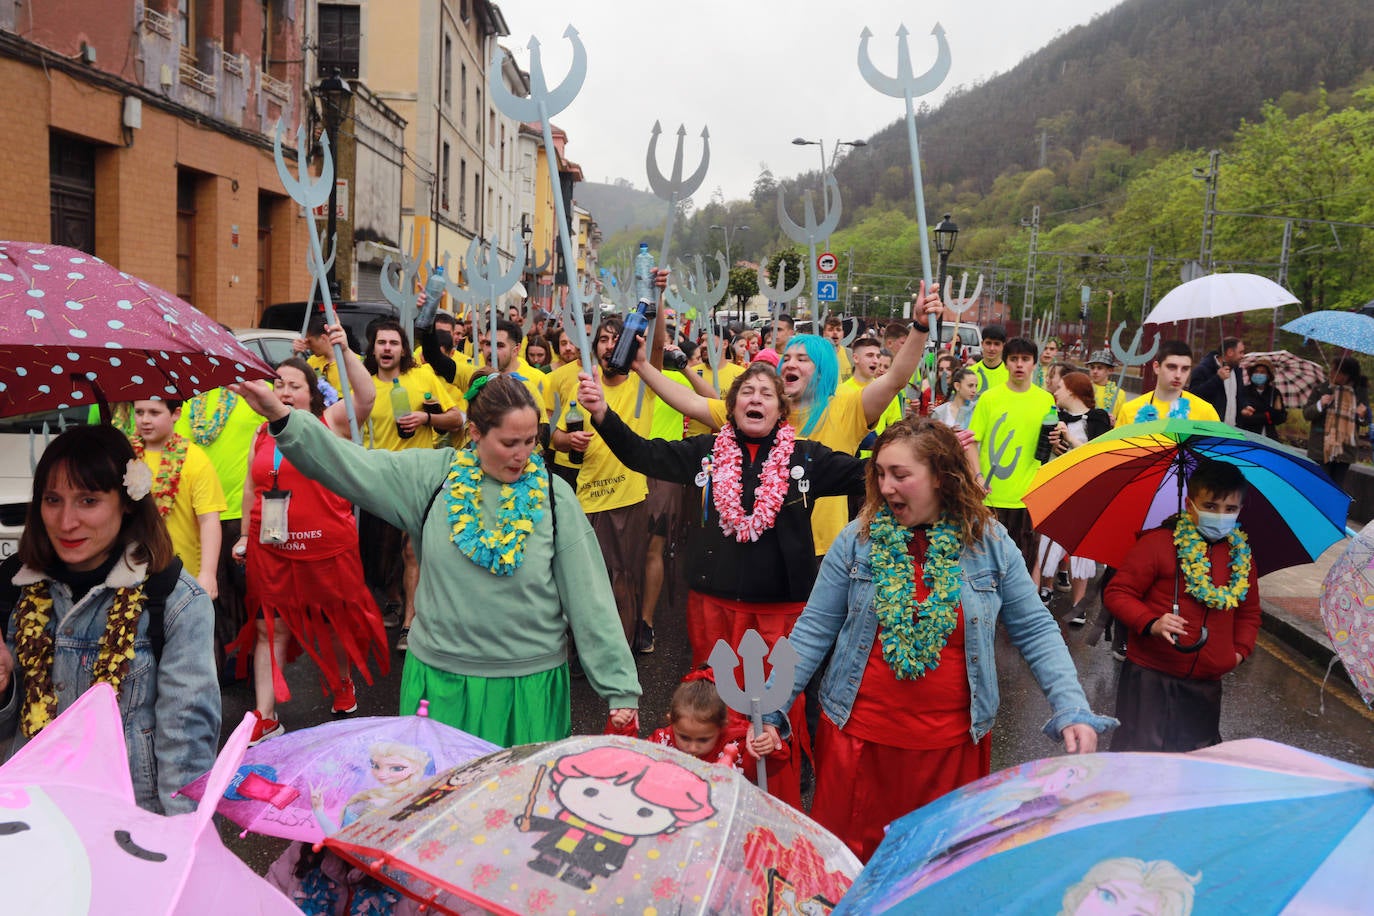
[758, 73]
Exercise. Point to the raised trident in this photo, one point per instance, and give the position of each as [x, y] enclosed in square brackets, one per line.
[812, 232]
[778, 296]
[759, 695]
[1131, 357]
[405, 295]
[311, 194]
[543, 103]
[315, 285]
[997, 449]
[487, 282]
[533, 270]
[958, 305]
[908, 86]
[698, 298]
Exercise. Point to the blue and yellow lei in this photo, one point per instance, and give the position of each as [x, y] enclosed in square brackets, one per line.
[522, 506]
[913, 633]
[1197, 568]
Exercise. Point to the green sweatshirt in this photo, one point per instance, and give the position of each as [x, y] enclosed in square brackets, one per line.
[467, 620]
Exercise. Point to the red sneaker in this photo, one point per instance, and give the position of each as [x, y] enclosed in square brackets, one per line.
[345, 699]
[265, 728]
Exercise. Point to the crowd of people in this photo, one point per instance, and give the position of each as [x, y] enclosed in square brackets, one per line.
[864, 500]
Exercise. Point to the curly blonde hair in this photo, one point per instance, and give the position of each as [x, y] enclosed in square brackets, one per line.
[938, 447]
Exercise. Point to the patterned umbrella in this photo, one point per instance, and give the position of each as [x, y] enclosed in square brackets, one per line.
[75, 330]
[1348, 330]
[1294, 377]
[1347, 606]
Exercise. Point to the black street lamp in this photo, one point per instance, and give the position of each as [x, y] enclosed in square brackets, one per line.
[334, 90]
[946, 234]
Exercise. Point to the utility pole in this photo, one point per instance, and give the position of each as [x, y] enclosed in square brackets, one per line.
[1044, 147]
[1028, 306]
[1209, 220]
[848, 282]
[1283, 277]
[1058, 289]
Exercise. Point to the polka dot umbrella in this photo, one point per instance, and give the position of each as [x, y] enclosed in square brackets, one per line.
[76, 331]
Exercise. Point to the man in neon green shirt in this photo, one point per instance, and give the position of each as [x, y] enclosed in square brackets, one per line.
[990, 369]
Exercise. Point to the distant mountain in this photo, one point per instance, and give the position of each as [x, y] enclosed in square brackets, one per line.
[618, 206]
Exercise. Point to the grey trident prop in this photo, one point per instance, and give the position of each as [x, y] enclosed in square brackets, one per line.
[905, 85]
[778, 296]
[310, 194]
[405, 296]
[1133, 356]
[698, 298]
[812, 232]
[759, 695]
[543, 103]
[959, 305]
[487, 282]
[315, 285]
[997, 449]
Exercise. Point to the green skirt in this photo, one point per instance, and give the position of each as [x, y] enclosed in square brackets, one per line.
[503, 710]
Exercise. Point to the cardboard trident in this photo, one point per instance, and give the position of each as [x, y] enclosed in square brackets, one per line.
[1133, 356]
[778, 296]
[487, 282]
[759, 695]
[311, 194]
[543, 103]
[811, 232]
[907, 86]
[958, 306]
[698, 298]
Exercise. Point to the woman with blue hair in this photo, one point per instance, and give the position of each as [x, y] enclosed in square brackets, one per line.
[838, 418]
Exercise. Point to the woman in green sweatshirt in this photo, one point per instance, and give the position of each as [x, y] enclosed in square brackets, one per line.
[508, 563]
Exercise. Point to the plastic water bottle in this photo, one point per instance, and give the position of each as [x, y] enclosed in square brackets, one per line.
[575, 423]
[1043, 448]
[400, 406]
[434, 294]
[627, 347]
[644, 274]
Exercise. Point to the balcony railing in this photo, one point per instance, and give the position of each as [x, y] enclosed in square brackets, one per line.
[235, 65]
[157, 22]
[275, 87]
[198, 79]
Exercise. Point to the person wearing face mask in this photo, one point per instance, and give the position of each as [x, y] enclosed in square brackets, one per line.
[1188, 593]
[1262, 407]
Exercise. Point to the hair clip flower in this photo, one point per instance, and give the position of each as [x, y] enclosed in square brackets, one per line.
[138, 479]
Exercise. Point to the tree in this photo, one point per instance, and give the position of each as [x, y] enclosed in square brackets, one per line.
[792, 260]
[744, 285]
[765, 187]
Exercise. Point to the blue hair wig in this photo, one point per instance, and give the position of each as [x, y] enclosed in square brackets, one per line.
[824, 380]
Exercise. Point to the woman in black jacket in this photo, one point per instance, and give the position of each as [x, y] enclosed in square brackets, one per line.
[1261, 405]
[751, 559]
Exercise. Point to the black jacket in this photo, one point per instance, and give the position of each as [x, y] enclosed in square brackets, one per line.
[781, 565]
[1269, 411]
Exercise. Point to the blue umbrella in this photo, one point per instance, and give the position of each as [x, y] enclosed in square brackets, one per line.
[1248, 826]
[1348, 330]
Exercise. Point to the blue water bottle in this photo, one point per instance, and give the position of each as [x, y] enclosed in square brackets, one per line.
[434, 294]
[627, 347]
[644, 275]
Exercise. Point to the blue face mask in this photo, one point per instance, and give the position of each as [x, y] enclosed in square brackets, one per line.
[1259, 378]
[1214, 526]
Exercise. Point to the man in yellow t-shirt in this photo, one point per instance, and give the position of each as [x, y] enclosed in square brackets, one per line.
[187, 491]
[613, 496]
[509, 362]
[1105, 392]
[1172, 365]
[719, 381]
[1006, 423]
[834, 332]
[867, 359]
[390, 362]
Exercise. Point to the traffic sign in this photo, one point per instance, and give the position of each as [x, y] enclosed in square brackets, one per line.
[828, 290]
[826, 263]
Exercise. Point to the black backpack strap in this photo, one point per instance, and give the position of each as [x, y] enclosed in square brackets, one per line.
[156, 591]
[430, 505]
[9, 592]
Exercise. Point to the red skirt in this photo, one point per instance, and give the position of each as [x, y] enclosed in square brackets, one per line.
[709, 619]
[862, 786]
[320, 601]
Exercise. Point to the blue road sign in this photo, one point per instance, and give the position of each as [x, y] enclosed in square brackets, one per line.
[828, 290]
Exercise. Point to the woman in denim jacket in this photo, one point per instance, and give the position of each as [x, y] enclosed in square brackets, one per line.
[908, 699]
[93, 548]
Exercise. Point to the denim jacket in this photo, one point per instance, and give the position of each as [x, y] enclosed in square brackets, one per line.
[171, 708]
[995, 585]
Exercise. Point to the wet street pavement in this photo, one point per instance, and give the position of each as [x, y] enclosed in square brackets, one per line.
[1276, 694]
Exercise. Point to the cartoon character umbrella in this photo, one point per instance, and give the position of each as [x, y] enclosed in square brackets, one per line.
[1294, 377]
[1347, 606]
[75, 331]
[73, 841]
[599, 824]
[308, 783]
[1248, 826]
[1097, 497]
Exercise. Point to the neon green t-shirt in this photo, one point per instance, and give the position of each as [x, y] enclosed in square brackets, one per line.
[1015, 439]
[989, 378]
[226, 441]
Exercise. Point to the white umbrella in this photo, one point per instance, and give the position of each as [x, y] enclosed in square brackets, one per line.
[1219, 294]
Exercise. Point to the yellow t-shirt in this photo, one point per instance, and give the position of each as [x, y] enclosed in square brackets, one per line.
[842, 428]
[990, 378]
[198, 493]
[560, 391]
[382, 432]
[228, 452]
[728, 373]
[1024, 411]
[603, 482]
[1101, 396]
[1197, 408]
[846, 364]
[891, 413]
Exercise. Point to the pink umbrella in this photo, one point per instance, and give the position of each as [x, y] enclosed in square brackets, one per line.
[73, 841]
[75, 330]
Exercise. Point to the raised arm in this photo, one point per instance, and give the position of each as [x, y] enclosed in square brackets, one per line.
[880, 392]
[360, 384]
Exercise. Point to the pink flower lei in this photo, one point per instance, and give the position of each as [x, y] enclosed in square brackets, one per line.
[726, 464]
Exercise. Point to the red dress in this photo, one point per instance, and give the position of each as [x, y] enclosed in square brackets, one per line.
[313, 583]
[906, 743]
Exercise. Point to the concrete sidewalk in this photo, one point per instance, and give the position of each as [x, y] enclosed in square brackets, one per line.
[1289, 600]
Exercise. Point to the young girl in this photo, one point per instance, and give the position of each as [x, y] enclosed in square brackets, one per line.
[700, 724]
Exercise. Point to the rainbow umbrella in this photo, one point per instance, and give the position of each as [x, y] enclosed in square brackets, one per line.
[1095, 499]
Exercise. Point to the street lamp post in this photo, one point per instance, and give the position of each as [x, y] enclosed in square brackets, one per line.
[333, 89]
[820, 144]
[730, 264]
[946, 234]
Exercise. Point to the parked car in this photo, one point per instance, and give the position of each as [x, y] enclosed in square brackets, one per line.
[356, 316]
[970, 339]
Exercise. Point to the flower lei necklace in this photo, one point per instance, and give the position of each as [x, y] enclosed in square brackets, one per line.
[35, 647]
[913, 632]
[522, 506]
[168, 481]
[1197, 567]
[727, 462]
[205, 430]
